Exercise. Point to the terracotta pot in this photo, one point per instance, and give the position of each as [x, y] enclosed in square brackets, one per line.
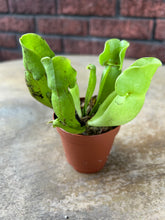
[87, 154]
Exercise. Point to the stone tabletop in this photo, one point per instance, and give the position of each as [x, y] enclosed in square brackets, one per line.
[36, 182]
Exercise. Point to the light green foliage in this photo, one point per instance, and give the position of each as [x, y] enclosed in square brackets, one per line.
[91, 86]
[62, 76]
[128, 98]
[114, 53]
[76, 98]
[39, 89]
[52, 81]
[76, 130]
[33, 49]
[112, 58]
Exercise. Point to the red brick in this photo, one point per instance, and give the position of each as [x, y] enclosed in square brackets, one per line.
[130, 29]
[160, 30]
[86, 7]
[8, 40]
[139, 49]
[3, 6]
[62, 26]
[75, 46]
[54, 43]
[144, 8]
[18, 24]
[32, 6]
[9, 54]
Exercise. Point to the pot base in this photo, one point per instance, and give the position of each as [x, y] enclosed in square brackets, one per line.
[87, 154]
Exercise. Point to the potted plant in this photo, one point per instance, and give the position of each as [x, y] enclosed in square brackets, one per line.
[87, 126]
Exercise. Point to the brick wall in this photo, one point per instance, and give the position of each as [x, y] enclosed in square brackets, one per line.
[82, 26]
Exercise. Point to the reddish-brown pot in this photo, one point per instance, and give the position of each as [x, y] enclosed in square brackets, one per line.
[87, 154]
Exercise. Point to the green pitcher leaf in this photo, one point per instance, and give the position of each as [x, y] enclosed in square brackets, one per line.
[49, 68]
[131, 87]
[34, 48]
[112, 58]
[91, 86]
[114, 53]
[61, 76]
[39, 89]
[136, 79]
[76, 98]
[78, 130]
[107, 85]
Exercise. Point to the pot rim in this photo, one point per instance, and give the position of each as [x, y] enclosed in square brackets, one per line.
[116, 129]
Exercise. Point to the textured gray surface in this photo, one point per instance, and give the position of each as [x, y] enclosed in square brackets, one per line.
[36, 182]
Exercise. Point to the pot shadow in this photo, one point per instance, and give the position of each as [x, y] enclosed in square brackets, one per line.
[119, 162]
[140, 163]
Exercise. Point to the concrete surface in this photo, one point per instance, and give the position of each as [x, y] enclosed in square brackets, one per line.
[36, 182]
